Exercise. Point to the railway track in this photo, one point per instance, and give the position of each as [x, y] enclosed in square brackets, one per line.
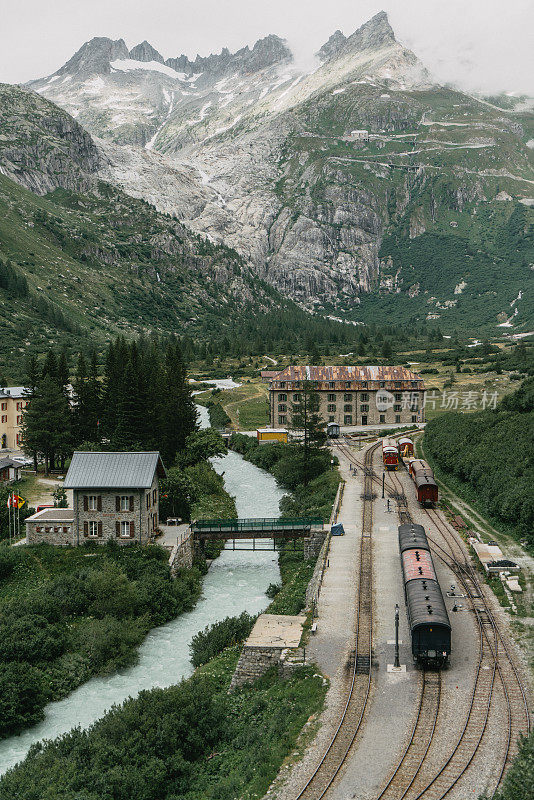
[421, 737]
[514, 693]
[419, 775]
[360, 660]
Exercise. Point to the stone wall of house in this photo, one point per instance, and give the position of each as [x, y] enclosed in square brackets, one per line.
[143, 512]
[362, 404]
[49, 533]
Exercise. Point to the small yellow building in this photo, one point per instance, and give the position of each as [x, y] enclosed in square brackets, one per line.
[272, 435]
[12, 404]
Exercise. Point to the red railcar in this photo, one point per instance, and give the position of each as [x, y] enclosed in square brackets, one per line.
[425, 484]
[390, 454]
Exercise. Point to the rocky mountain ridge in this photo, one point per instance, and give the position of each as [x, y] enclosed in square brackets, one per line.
[312, 175]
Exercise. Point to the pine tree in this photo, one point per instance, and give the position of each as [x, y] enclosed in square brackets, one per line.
[87, 400]
[305, 417]
[180, 416]
[46, 422]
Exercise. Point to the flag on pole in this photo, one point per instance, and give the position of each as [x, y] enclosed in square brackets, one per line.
[15, 501]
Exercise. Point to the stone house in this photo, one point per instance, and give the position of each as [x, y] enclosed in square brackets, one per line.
[9, 470]
[350, 395]
[115, 496]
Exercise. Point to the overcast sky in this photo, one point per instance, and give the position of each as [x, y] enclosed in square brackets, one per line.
[478, 44]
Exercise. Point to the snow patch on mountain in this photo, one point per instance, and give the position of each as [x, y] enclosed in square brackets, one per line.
[125, 65]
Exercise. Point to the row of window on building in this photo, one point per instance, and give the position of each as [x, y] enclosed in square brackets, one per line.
[348, 418]
[125, 502]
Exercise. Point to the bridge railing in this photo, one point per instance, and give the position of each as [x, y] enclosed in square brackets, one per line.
[257, 523]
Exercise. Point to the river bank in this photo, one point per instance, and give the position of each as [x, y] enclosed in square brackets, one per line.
[236, 582]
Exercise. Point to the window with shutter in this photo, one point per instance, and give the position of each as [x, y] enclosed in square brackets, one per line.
[100, 530]
[117, 528]
[131, 502]
[117, 503]
[99, 503]
[85, 503]
[132, 530]
[86, 528]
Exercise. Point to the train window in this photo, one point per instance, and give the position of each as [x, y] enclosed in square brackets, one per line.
[348, 419]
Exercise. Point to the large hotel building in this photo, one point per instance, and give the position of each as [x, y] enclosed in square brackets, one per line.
[350, 395]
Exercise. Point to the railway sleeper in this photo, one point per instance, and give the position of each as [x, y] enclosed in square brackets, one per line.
[363, 665]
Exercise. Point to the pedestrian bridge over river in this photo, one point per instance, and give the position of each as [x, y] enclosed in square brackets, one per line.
[255, 528]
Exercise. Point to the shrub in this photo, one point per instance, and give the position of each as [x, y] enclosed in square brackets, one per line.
[21, 696]
[217, 637]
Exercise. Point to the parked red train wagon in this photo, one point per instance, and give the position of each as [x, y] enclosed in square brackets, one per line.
[405, 447]
[416, 464]
[426, 487]
[390, 454]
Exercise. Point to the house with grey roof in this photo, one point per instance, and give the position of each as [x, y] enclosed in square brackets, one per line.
[115, 496]
[9, 470]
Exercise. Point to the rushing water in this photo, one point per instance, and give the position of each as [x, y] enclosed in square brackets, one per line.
[236, 582]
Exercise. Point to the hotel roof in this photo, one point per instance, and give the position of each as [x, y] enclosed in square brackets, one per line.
[311, 373]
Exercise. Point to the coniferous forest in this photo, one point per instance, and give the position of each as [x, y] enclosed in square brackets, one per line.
[140, 401]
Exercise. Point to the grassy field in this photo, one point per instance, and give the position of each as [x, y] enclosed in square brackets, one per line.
[247, 405]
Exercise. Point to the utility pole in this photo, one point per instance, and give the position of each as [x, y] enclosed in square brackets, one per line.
[397, 661]
[383, 483]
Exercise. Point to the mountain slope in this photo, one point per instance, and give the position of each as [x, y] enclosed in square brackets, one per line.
[80, 267]
[313, 175]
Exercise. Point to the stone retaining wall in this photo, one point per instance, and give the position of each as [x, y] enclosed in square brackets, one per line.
[181, 556]
[253, 663]
[314, 586]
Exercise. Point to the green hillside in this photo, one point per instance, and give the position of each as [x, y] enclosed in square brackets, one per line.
[450, 179]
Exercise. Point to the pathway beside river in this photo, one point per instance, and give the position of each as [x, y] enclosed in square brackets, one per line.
[236, 582]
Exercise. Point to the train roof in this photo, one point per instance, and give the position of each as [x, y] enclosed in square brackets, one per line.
[417, 564]
[405, 439]
[418, 463]
[425, 604]
[424, 479]
[412, 536]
